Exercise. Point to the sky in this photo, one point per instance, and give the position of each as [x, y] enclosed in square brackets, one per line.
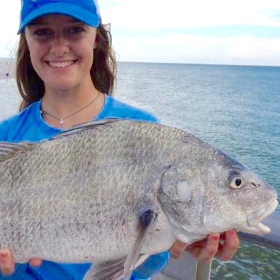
[240, 32]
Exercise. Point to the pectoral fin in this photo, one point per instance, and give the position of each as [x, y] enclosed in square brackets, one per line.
[110, 270]
[145, 221]
[116, 269]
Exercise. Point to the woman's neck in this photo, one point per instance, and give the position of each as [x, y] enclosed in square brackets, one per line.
[64, 108]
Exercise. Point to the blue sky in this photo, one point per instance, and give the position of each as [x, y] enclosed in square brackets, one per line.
[243, 32]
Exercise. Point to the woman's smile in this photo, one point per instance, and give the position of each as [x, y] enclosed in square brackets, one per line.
[61, 64]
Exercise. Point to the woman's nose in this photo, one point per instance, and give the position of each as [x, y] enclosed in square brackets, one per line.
[59, 45]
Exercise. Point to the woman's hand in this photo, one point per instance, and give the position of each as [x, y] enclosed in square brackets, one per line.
[7, 264]
[222, 246]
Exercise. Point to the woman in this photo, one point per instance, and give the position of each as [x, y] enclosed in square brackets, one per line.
[65, 74]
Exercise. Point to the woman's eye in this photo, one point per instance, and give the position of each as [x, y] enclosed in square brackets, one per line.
[42, 32]
[75, 30]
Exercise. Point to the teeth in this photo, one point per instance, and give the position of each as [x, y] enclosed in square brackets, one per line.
[61, 64]
[263, 228]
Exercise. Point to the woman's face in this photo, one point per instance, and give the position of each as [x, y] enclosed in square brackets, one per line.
[61, 50]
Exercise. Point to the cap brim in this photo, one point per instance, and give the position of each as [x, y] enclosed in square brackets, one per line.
[81, 14]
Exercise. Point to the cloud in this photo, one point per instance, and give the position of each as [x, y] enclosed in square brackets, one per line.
[158, 14]
[179, 48]
[9, 21]
[250, 48]
[9, 18]
[165, 30]
[184, 31]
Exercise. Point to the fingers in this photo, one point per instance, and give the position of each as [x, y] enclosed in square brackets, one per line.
[35, 262]
[7, 265]
[229, 247]
[222, 246]
[205, 250]
[177, 249]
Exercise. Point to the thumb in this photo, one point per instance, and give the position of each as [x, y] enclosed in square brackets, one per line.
[7, 265]
[177, 249]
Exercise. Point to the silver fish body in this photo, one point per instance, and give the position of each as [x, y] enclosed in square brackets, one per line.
[78, 197]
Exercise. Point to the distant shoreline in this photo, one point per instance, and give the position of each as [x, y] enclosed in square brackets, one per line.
[7, 68]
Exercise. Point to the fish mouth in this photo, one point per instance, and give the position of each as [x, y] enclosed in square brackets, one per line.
[254, 219]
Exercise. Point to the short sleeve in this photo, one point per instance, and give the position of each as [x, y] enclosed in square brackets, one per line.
[153, 265]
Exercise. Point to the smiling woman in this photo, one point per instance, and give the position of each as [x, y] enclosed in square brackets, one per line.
[65, 51]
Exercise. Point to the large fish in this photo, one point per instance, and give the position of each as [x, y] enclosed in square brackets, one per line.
[108, 192]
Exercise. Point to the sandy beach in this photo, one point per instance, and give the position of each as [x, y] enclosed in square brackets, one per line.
[7, 66]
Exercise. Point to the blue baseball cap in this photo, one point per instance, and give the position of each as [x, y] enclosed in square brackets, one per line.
[86, 11]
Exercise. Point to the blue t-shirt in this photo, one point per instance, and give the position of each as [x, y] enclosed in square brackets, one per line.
[29, 126]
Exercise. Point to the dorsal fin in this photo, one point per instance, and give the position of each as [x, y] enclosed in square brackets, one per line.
[84, 126]
[7, 149]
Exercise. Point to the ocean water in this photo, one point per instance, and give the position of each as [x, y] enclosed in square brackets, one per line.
[234, 108]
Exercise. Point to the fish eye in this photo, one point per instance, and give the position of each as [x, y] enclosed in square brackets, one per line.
[236, 183]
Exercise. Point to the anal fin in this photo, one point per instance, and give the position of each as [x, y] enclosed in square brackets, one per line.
[109, 270]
